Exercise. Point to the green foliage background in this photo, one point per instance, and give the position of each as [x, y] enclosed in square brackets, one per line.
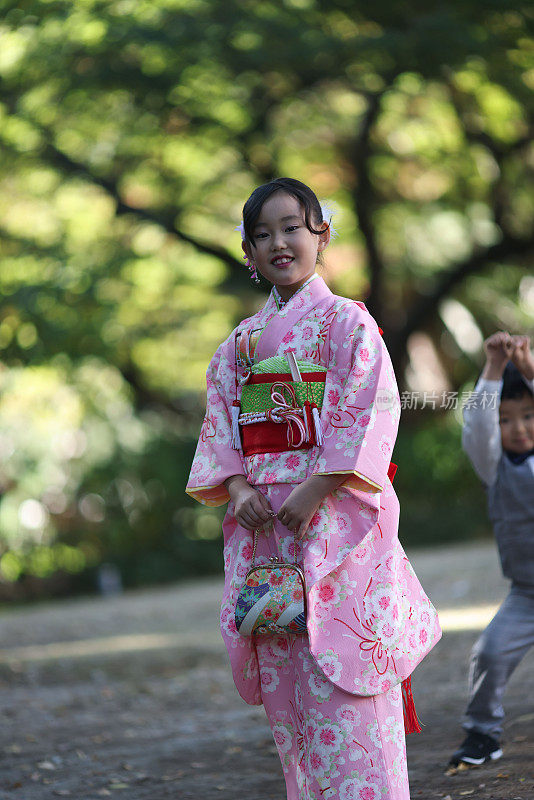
[131, 133]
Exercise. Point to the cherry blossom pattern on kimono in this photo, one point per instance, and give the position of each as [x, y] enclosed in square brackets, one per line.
[214, 459]
[369, 623]
[360, 638]
[237, 561]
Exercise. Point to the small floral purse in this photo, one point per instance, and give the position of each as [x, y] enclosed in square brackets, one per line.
[272, 600]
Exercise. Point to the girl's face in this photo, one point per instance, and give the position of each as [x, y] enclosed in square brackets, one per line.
[516, 420]
[286, 251]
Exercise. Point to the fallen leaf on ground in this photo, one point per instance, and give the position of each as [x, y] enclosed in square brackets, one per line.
[454, 770]
[174, 777]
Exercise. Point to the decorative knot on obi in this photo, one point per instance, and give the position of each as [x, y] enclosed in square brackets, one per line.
[278, 413]
[289, 412]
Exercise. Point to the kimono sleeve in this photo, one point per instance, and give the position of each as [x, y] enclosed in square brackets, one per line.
[361, 406]
[214, 459]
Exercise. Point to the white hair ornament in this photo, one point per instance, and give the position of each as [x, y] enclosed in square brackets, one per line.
[327, 210]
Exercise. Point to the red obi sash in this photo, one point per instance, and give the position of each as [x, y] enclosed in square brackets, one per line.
[267, 437]
[276, 437]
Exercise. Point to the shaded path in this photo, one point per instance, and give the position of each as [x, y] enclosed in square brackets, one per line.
[133, 697]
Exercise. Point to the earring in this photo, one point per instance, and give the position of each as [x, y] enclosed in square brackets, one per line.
[252, 268]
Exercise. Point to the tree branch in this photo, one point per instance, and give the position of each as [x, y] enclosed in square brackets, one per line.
[425, 307]
[499, 151]
[358, 152]
[164, 218]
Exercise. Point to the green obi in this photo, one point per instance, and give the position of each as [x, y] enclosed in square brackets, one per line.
[257, 397]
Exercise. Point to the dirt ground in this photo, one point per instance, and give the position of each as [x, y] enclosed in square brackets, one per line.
[132, 697]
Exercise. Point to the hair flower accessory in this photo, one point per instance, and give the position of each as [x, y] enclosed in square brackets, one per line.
[328, 210]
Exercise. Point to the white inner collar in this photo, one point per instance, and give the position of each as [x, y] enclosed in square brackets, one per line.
[281, 303]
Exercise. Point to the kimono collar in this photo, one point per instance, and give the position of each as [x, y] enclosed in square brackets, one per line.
[281, 304]
[278, 324]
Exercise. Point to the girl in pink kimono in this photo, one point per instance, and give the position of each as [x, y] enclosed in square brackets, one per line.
[316, 485]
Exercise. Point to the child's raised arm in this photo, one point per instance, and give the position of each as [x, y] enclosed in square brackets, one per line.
[499, 348]
[522, 357]
[481, 434]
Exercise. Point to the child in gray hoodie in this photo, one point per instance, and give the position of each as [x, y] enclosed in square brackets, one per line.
[498, 437]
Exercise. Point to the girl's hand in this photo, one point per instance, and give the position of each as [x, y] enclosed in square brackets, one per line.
[498, 348]
[298, 509]
[522, 357]
[251, 508]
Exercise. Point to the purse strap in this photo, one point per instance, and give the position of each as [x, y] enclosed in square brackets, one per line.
[272, 557]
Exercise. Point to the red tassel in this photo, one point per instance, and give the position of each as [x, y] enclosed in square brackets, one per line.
[411, 723]
[309, 421]
[381, 332]
[392, 469]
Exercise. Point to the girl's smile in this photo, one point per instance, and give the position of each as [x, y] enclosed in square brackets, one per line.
[285, 250]
[282, 261]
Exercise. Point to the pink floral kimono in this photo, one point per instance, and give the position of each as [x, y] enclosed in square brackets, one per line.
[333, 696]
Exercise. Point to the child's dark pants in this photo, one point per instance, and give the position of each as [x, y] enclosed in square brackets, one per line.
[494, 657]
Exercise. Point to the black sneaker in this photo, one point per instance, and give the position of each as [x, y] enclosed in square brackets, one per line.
[476, 749]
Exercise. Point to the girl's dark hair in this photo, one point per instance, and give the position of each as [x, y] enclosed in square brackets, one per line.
[513, 387]
[299, 190]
